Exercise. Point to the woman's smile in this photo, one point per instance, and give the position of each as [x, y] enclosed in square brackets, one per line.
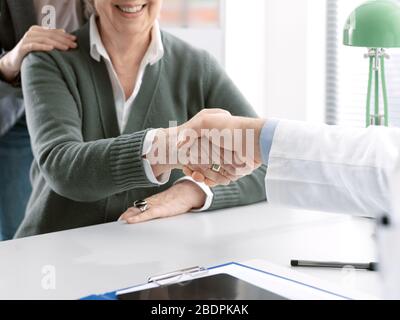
[127, 17]
[129, 10]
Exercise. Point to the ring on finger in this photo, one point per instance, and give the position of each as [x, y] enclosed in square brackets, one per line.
[225, 174]
[142, 205]
[216, 167]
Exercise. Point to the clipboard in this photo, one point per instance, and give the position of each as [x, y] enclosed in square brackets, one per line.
[279, 280]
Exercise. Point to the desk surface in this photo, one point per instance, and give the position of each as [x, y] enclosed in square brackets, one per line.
[111, 256]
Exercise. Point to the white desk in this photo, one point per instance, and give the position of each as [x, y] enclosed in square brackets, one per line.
[112, 256]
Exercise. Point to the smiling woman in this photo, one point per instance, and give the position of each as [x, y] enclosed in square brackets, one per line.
[131, 11]
[146, 10]
[91, 113]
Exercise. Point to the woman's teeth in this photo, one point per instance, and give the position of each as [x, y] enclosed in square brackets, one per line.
[131, 9]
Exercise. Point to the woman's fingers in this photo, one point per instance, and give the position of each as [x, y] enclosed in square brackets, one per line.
[187, 171]
[134, 215]
[131, 212]
[203, 174]
[59, 39]
[63, 38]
[202, 156]
[58, 42]
[216, 177]
[56, 34]
[38, 47]
[214, 111]
[37, 44]
[210, 183]
[198, 176]
[52, 33]
[180, 198]
[150, 214]
[203, 153]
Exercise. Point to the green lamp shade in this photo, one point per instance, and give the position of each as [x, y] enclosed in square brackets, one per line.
[374, 24]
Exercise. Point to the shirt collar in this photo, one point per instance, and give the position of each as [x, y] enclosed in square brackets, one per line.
[154, 53]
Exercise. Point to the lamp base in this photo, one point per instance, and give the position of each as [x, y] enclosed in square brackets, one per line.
[377, 58]
[376, 120]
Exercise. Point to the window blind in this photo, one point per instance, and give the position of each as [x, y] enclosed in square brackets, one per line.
[331, 62]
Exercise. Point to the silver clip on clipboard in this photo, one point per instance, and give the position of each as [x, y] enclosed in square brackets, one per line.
[162, 279]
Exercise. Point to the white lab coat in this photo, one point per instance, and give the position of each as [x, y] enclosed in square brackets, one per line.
[331, 168]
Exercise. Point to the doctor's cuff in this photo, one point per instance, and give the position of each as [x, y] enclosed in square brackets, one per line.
[206, 189]
[266, 139]
[147, 144]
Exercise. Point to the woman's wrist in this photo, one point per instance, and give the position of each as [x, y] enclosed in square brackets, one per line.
[6, 72]
[163, 152]
[195, 196]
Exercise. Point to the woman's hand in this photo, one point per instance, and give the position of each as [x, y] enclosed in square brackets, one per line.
[232, 167]
[190, 149]
[202, 154]
[36, 39]
[179, 199]
[233, 144]
[166, 153]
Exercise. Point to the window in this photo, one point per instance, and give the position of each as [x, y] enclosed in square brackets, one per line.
[199, 22]
[347, 73]
[191, 13]
[235, 38]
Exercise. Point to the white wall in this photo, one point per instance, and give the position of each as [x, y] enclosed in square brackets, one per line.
[211, 40]
[286, 59]
[245, 48]
[269, 57]
[316, 61]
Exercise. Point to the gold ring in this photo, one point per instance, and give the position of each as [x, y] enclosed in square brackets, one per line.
[216, 168]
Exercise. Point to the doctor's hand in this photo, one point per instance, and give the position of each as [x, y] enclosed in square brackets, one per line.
[179, 199]
[35, 39]
[236, 138]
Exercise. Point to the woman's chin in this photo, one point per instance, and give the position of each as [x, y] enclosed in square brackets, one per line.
[132, 29]
[132, 25]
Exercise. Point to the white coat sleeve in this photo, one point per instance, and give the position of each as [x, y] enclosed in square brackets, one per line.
[331, 168]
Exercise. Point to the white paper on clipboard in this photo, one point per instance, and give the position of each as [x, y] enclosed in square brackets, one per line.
[287, 283]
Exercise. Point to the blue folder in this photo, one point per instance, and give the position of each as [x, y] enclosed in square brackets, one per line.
[113, 294]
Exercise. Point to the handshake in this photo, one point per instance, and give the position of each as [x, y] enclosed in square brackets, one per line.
[214, 147]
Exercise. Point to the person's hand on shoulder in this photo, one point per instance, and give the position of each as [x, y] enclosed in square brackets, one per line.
[35, 39]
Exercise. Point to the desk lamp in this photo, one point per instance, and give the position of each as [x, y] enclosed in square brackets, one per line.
[375, 25]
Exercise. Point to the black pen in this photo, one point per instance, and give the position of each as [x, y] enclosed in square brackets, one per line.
[372, 266]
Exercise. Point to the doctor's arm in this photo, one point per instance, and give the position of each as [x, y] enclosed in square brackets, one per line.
[332, 168]
[320, 167]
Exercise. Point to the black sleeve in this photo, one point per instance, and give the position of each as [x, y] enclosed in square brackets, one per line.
[11, 100]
